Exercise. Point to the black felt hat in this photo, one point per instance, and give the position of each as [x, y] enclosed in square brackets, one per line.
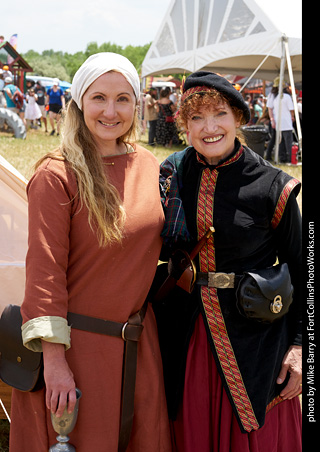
[211, 80]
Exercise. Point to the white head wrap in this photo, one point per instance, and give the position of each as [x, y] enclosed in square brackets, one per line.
[99, 64]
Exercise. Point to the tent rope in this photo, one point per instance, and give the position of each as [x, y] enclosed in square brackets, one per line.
[5, 411]
[256, 70]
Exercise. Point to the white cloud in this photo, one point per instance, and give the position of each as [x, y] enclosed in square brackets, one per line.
[69, 25]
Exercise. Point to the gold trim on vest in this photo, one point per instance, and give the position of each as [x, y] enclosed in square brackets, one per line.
[282, 202]
[212, 307]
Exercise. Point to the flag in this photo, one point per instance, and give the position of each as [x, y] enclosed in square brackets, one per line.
[13, 41]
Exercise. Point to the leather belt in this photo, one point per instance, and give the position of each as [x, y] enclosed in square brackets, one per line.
[218, 280]
[127, 331]
[130, 332]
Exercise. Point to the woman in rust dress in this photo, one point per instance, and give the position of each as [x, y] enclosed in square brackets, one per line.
[95, 219]
[232, 381]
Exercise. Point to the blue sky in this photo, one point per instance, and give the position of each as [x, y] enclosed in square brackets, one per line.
[69, 25]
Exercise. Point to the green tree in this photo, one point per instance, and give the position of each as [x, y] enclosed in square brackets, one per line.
[73, 62]
[51, 63]
[136, 54]
[48, 67]
[108, 47]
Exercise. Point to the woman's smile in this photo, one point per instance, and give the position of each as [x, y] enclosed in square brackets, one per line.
[107, 124]
[212, 139]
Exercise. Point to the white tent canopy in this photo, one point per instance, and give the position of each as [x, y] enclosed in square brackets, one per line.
[224, 36]
[14, 232]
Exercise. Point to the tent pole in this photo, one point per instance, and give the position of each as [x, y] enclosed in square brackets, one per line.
[278, 125]
[294, 98]
[143, 87]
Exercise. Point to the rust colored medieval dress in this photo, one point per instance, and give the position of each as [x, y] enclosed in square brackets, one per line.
[66, 270]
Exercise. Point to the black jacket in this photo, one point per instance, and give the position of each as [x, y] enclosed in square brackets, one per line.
[257, 221]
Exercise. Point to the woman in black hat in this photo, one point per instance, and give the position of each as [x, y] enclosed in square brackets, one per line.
[231, 354]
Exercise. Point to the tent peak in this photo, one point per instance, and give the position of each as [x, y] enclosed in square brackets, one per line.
[218, 35]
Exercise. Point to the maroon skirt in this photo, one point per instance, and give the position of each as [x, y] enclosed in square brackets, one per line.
[206, 421]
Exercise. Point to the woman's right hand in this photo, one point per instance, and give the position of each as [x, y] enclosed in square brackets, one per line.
[59, 380]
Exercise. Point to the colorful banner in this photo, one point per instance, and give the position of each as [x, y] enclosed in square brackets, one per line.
[14, 42]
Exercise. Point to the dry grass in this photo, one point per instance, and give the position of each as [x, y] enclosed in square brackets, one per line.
[23, 154]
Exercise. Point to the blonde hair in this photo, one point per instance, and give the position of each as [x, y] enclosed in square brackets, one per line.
[106, 214]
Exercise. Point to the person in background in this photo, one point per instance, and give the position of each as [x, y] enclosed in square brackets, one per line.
[67, 95]
[299, 103]
[1, 80]
[173, 97]
[270, 100]
[6, 71]
[56, 101]
[29, 84]
[32, 111]
[95, 219]
[232, 377]
[285, 123]
[9, 90]
[257, 110]
[40, 91]
[264, 119]
[2, 97]
[151, 114]
[166, 128]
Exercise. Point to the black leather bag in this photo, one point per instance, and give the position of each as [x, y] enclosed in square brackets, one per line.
[265, 295]
[19, 367]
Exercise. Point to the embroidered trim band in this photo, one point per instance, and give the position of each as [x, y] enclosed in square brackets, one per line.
[193, 90]
[236, 156]
[212, 307]
[273, 403]
[282, 202]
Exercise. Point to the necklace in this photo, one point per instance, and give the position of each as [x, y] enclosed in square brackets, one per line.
[129, 150]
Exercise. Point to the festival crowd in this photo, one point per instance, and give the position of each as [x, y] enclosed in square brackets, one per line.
[40, 105]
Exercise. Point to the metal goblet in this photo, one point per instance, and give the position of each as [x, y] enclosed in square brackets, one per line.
[63, 426]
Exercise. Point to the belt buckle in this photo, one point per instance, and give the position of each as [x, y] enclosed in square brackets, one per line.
[123, 331]
[221, 280]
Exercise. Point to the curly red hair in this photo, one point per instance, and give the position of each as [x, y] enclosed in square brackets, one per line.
[206, 99]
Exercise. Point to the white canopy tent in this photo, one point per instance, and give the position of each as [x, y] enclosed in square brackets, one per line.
[230, 37]
[225, 36]
[13, 245]
[14, 232]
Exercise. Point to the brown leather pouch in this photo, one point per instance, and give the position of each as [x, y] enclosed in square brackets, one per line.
[182, 268]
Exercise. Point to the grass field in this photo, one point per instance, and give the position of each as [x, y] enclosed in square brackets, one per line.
[23, 154]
